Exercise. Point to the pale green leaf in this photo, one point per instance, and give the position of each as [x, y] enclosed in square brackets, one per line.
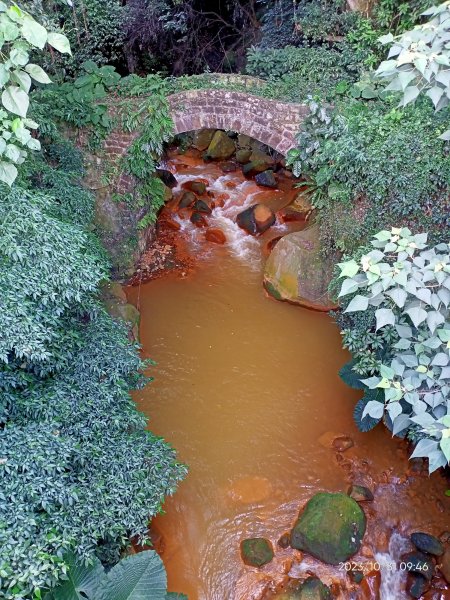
[15, 100]
[8, 172]
[358, 303]
[34, 33]
[384, 316]
[59, 42]
[37, 73]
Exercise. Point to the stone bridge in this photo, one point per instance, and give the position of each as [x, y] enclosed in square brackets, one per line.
[271, 122]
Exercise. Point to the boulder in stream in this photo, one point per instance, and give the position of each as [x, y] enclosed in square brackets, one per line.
[360, 493]
[330, 528]
[202, 207]
[310, 589]
[254, 167]
[427, 543]
[216, 236]
[221, 146]
[187, 200]
[419, 563]
[167, 177]
[416, 585]
[256, 219]
[202, 138]
[243, 155]
[266, 179]
[198, 219]
[196, 186]
[256, 552]
[297, 271]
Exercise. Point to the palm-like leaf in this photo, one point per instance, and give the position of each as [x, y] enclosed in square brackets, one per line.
[138, 577]
[83, 581]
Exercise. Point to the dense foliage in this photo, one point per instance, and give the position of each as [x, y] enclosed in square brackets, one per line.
[79, 472]
[407, 284]
[372, 164]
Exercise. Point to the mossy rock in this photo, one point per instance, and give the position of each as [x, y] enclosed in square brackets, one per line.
[311, 589]
[330, 528]
[221, 146]
[256, 552]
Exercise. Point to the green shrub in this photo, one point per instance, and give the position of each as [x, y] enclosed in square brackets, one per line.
[377, 163]
[402, 287]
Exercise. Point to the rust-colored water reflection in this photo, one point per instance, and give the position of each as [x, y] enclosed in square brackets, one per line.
[245, 387]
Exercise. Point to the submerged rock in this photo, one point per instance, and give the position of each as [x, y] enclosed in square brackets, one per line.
[314, 589]
[285, 540]
[419, 563]
[228, 167]
[427, 543]
[444, 565]
[196, 186]
[187, 200]
[256, 219]
[360, 493]
[249, 490]
[416, 585]
[202, 207]
[330, 528]
[297, 271]
[216, 236]
[221, 146]
[256, 552]
[266, 179]
[198, 219]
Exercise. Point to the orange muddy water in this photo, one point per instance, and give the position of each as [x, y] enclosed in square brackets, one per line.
[246, 389]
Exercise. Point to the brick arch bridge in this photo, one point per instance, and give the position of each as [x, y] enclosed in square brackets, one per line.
[271, 122]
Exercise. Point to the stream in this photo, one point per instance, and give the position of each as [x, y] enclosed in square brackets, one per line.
[247, 390]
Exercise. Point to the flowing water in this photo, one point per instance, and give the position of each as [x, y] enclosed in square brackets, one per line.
[245, 388]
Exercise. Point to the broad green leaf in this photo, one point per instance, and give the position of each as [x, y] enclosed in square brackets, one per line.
[23, 79]
[137, 577]
[417, 315]
[19, 57]
[12, 152]
[435, 93]
[349, 268]
[37, 73]
[83, 581]
[349, 286]
[8, 29]
[357, 303]
[445, 136]
[34, 33]
[400, 424]
[410, 94]
[424, 448]
[34, 144]
[15, 100]
[59, 42]
[386, 39]
[374, 409]
[8, 172]
[350, 377]
[4, 75]
[387, 372]
[384, 316]
[398, 295]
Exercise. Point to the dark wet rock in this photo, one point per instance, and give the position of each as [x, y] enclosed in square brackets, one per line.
[198, 187]
[216, 236]
[202, 207]
[228, 167]
[256, 219]
[356, 576]
[285, 540]
[167, 177]
[416, 585]
[330, 528]
[298, 271]
[343, 443]
[444, 537]
[314, 589]
[256, 552]
[244, 141]
[266, 179]
[198, 219]
[243, 156]
[221, 146]
[254, 167]
[202, 138]
[419, 563]
[360, 493]
[260, 156]
[187, 200]
[427, 543]
[168, 194]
